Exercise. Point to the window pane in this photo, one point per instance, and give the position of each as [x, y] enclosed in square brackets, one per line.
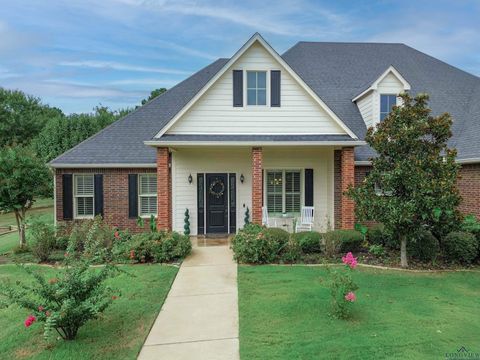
[384, 103]
[251, 79]
[274, 191]
[261, 97]
[292, 203]
[292, 181]
[392, 101]
[85, 206]
[262, 80]
[383, 116]
[148, 205]
[84, 185]
[148, 184]
[251, 97]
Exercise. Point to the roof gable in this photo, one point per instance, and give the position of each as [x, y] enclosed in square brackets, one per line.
[257, 39]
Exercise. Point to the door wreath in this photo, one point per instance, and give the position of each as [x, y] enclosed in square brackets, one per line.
[217, 188]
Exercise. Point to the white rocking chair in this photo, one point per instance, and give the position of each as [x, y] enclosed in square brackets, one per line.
[306, 219]
[265, 218]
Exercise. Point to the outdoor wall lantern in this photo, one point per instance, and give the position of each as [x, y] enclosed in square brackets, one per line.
[190, 178]
[242, 178]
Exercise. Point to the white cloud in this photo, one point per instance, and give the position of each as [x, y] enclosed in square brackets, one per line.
[121, 67]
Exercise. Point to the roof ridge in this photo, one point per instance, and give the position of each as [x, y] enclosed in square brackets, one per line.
[349, 42]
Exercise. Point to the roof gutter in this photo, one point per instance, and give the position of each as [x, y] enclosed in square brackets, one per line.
[98, 166]
[253, 143]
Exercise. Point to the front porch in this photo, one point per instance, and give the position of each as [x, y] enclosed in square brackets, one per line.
[221, 186]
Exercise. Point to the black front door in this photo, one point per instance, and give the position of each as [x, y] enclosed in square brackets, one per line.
[216, 186]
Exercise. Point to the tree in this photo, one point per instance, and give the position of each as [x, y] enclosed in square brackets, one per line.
[154, 94]
[23, 177]
[22, 117]
[415, 170]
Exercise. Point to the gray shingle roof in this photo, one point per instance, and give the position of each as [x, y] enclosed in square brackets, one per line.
[336, 72]
[122, 142]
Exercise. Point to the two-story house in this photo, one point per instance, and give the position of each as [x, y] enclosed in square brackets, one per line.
[265, 132]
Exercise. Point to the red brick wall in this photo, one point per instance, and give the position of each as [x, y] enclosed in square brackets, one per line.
[347, 179]
[115, 195]
[469, 186]
[164, 193]
[257, 185]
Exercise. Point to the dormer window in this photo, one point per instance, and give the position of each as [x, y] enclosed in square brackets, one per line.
[387, 102]
[256, 88]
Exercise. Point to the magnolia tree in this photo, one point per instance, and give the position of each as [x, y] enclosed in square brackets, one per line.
[23, 177]
[412, 183]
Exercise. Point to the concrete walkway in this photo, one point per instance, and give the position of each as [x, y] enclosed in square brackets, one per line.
[199, 319]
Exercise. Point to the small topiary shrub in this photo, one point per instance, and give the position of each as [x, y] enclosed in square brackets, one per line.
[350, 240]
[424, 247]
[41, 239]
[309, 241]
[255, 244]
[459, 246]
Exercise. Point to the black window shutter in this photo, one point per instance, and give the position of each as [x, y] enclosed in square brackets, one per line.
[237, 88]
[132, 196]
[200, 204]
[308, 187]
[275, 88]
[98, 194]
[67, 184]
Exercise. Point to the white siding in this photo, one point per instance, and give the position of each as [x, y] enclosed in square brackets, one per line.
[369, 105]
[365, 105]
[223, 160]
[214, 113]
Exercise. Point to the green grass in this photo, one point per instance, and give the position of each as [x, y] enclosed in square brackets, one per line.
[43, 209]
[398, 315]
[119, 334]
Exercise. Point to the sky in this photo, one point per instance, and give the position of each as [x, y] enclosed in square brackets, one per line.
[77, 54]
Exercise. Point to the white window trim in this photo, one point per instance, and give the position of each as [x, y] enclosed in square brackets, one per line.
[245, 90]
[75, 197]
[302, 188]
[139, 196]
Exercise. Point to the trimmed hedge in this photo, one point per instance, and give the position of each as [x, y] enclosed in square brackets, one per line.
[350, 240]
[310, 242]
[459, 246]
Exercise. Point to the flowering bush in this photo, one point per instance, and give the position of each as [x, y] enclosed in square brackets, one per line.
[342, 287]
[67, 301]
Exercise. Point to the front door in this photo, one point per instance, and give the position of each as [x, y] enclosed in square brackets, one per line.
[217, 203]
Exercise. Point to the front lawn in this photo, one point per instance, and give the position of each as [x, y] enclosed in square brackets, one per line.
[398, 315]
[118, 334]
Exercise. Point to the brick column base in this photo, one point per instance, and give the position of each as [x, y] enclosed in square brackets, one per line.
[257, 185]
[164, 193]
[347, 179]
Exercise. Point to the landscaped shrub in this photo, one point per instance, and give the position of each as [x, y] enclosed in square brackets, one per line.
[342, 287]
[159, 246]
[377, 250]
[472, 225]
[292, 251]
[41, 239]
[460, 247]
[350, 240]
[424, 247]
[259, 245]
[309, 241]
[378, 235]
[66, 301]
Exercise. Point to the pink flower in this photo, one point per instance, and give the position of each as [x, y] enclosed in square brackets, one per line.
[132, 254]
[30, 320]
[350, 260]
[40, 308]
[350, 297]
[47, 313]
[114, 297]
[117, 235]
